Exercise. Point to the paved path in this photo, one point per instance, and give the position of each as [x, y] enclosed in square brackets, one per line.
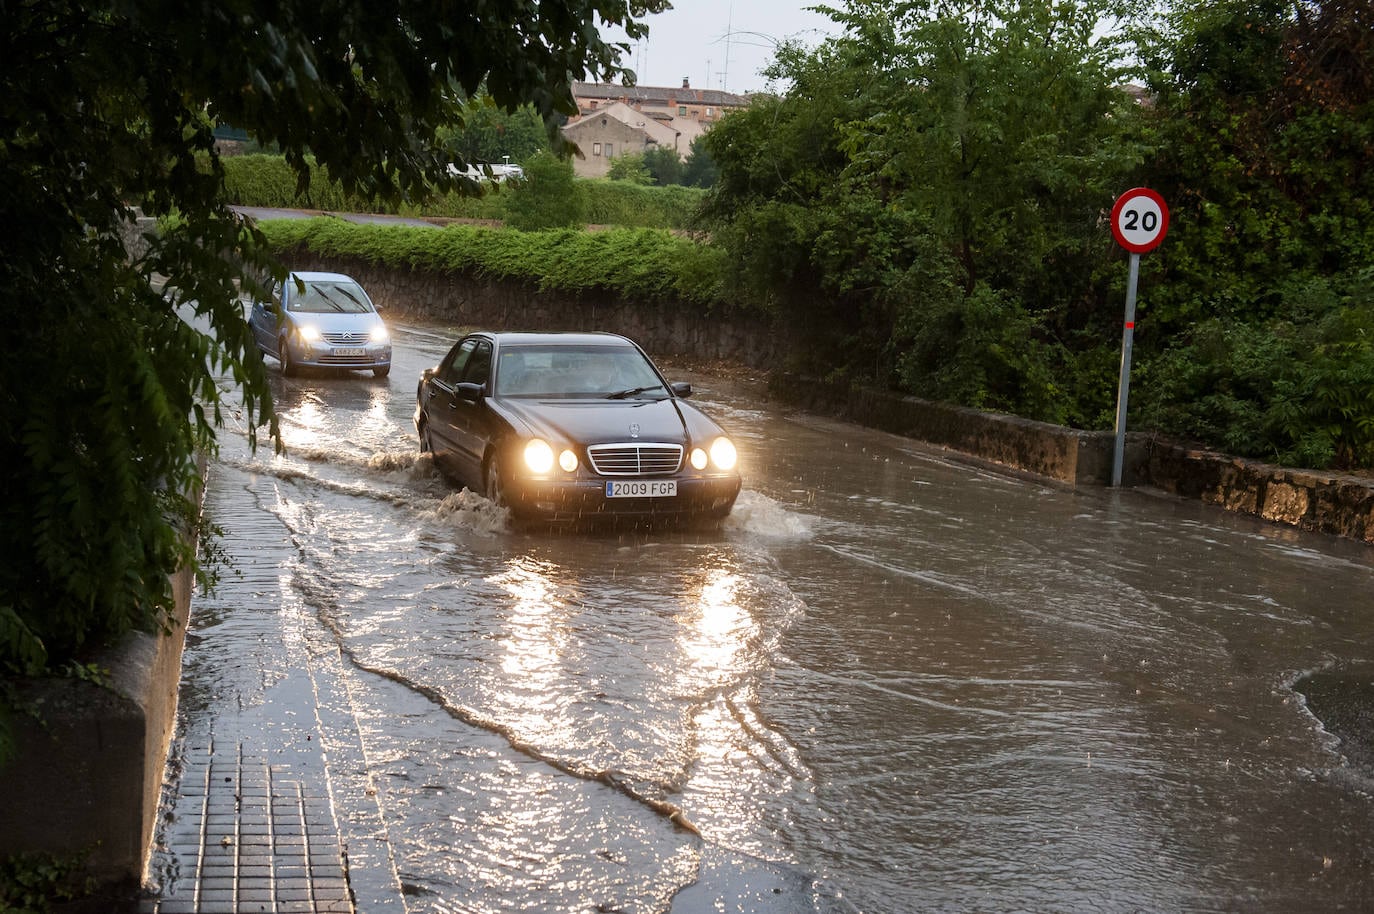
[268, 805]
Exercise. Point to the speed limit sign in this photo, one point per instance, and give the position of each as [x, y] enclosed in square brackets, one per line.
[1139, 220]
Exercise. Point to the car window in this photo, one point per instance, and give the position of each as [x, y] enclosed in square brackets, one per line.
[478, 368]
[451, 368]
[329, 297]
[575, 371]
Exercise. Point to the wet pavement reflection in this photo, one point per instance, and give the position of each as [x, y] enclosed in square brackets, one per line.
[893, 681]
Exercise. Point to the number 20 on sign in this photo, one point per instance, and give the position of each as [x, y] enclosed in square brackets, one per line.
[1140, 220]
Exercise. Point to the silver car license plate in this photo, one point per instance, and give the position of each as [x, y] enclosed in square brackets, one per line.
[349, 353]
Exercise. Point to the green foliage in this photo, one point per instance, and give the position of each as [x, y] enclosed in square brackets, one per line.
[663, 165]
[978, 143]
[630, 168]
[548, 197]
[1296, 388]
[1266, 128]
[638, 264]
[260, 180]
[490, 135]
[111, 389]
[37, 883]
[700, 169]
[624, 203]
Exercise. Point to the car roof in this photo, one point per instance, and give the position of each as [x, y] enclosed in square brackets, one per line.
[319, 276]
[556, 338]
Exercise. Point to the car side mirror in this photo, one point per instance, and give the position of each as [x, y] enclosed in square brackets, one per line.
[467, 390]
[681, 389]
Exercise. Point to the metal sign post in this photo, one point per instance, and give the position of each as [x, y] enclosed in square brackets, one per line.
[1140, 219]
[1123, 387]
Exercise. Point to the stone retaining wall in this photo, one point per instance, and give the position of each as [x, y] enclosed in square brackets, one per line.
[1324, 502]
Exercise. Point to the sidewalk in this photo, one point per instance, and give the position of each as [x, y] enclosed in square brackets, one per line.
[267, 804]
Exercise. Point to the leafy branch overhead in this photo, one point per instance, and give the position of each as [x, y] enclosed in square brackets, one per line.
[123, 339]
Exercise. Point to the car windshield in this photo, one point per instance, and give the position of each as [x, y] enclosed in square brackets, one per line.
[329, 297]
[604, 372]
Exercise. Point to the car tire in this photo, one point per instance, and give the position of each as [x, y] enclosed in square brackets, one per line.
[495, 491]
[381, 372]
[425, 446]
[288, 365]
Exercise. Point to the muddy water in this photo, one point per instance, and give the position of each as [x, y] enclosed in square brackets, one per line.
[892, 682]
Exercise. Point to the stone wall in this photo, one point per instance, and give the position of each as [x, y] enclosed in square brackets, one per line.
[1324, 502]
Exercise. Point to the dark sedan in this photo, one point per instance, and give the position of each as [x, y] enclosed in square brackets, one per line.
[569, 426]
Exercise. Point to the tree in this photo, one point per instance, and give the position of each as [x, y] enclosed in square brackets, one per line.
[547, 197]
[664, 165]
[699, 170]
[929, 189]
[491, 135]
[107, 394]
[630, 167]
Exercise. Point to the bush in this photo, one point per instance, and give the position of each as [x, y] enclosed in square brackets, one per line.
[1296, 389]
[648, 264]
[548, 197]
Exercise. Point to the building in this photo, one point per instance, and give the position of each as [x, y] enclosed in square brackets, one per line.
[618, 120]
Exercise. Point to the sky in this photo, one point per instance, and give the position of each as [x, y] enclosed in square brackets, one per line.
[721, 44]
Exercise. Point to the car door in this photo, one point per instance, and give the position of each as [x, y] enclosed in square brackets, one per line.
[470, 415]
[441, 407]
[265, 321]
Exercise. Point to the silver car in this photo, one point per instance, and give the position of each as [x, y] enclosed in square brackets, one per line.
[322, 320]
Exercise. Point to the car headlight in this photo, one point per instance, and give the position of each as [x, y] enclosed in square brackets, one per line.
[723, 453]
[538, 456]
[567, 460]
[309, 332]
[698, 458]
[379, 334]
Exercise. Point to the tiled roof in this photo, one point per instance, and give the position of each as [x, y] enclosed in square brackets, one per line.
[660, 95]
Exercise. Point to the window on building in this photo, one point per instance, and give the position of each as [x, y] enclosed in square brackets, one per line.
[596, 149]
[709, 112]
[681, 110]
[608, 150]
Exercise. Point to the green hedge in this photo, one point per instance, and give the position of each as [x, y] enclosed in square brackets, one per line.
[266, 180]
[635, 263]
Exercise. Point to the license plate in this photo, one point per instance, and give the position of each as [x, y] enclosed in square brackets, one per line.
[641, 488]
[349, 353]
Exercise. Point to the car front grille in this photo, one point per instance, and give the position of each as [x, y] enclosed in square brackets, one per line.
[346, 339]
[635, 459]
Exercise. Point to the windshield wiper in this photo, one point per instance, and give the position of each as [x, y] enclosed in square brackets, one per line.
[632, 392]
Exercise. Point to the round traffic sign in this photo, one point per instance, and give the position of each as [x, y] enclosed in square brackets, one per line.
[1140, 219]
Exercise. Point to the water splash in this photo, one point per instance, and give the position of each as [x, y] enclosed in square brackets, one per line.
[758, 515]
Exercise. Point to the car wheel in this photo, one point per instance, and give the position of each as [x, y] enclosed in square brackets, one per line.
[496, 492]
[381, 372]
[425, 446]
[288, 365]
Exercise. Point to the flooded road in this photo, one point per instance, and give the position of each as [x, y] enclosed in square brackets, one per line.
[894, 681]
